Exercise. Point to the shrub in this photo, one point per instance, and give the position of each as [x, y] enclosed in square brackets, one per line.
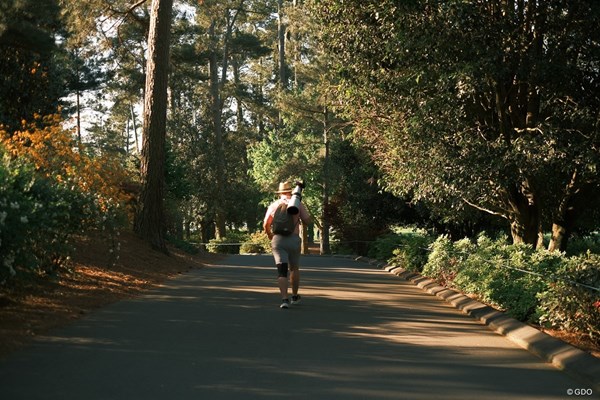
[405, 246]
[184, 245]
[49, 191]
[494, 272]
[534, 285]
[567, 304]
[582, 244]
[56, 155]
[258, 242]
[384, 246]
[229, 244]
[38, 217]
[338, 247]
[411, 250]
[446, 258]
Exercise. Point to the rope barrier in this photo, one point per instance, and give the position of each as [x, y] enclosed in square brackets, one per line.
[529, 272]
[428, 249]
[556, 278]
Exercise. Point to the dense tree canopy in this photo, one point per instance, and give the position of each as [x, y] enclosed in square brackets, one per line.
[493, 104]
[428, 112]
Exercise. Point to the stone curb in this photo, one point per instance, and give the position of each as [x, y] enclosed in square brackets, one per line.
[577, 363]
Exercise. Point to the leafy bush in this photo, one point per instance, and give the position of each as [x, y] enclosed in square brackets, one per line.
[533, 285]
[258, 242]
[229, 244]
[184, 245]
[50, 191]
[37, 219]
[567, 305]
[56, 156]
[446, 258]
[384, 246]
[409, 249]
[582, 244]
[494, 271]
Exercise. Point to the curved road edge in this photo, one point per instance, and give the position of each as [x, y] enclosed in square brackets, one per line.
[575, 362]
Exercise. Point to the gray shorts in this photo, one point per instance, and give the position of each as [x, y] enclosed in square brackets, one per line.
[286, 249]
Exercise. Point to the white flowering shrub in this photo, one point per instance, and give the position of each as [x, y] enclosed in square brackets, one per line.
[38, 217]
[51, 188]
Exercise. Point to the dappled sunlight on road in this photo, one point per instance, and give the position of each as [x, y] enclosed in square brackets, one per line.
[79, 341]
[418, 333]
[218, 333]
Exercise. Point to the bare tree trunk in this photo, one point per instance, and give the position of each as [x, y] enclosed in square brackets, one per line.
[150, 221]
[219, 150]
[134, 127]
[216, 88]
[126, 137]
[78, 99]
[281, 32]
[239, 110]
[325, 247]
[304, 238]
[78, 118]
[560, 236]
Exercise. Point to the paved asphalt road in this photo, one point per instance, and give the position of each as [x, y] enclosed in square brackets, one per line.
[218, 333]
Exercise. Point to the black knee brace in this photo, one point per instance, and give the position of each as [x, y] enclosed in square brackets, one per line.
[282, 270]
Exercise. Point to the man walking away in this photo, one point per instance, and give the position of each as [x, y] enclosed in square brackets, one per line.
[283, 230]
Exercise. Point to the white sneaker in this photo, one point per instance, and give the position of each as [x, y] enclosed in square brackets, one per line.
[285, 303]
[296, 299]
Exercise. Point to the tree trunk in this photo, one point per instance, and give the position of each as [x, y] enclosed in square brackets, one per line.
[207, 230]
[525, 229]
[134, 127]
[150, 221]
[325, 247]
[304, 237]
[239, 112]
[281, 32]
[525, 216]
[218, 135]
[560, 236]
[78, 101]
[563, 220]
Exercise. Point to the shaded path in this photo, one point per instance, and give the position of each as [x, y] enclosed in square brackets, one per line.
[217, 333]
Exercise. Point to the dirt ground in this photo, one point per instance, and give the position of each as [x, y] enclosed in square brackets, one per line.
[95, 280]
[35, 307]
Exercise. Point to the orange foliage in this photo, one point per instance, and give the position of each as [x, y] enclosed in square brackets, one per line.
[57, 155]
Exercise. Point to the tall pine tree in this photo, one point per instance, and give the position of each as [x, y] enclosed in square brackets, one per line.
[150, 223]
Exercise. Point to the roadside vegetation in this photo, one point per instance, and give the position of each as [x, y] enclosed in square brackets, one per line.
[51, 192]
[549, 289]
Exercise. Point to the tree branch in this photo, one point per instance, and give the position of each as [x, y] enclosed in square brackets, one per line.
[487, 210]
[134, 6]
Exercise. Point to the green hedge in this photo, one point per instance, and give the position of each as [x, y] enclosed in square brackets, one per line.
[446, 257]
[407, 249]
[257, 243]
[237, 242]
[531, 285]
[229, 244]
[570, 306]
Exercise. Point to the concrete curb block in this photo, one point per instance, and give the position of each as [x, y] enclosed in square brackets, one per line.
[575, 362]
